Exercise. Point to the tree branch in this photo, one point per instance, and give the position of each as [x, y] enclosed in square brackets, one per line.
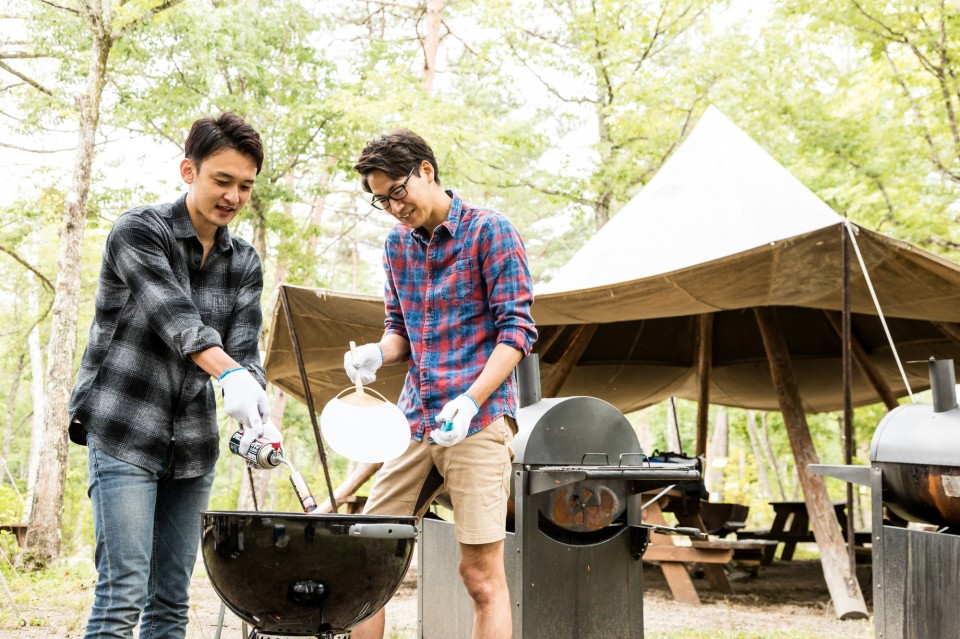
[925, 131]
[21, 56]
[36, 85]
[873, 177]
[58, 6]
[389, 3]
[143, 17]
[28, 150]
[546, 84]
[27, 266]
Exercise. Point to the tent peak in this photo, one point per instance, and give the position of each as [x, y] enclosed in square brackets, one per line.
[719, 194]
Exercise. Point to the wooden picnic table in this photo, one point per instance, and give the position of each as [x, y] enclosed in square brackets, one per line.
[791, 526]
[674, 556]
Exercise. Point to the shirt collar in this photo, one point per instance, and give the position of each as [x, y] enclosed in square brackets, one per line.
[183, 226]
[452, 223]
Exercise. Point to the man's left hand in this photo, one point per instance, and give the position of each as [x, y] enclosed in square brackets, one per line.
[454, 419]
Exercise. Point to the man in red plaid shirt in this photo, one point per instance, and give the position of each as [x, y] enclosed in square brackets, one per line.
[458, 295]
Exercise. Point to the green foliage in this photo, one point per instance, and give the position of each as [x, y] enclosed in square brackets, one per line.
[864, 95]
[554, 113]
[65, 583]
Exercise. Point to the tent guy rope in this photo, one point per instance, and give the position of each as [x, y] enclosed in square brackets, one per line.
[876, 303]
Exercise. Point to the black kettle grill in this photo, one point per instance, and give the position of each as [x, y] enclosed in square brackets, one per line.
[292, 574]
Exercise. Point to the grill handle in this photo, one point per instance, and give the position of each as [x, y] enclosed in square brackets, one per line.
[383, 531]
[685, 531]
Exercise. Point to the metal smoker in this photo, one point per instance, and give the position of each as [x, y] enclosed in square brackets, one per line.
[915, 472]
[573, 548]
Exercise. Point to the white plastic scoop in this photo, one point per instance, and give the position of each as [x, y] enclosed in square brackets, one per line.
[361, 425]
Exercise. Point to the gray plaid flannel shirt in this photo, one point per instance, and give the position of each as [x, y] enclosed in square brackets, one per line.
[137, 389]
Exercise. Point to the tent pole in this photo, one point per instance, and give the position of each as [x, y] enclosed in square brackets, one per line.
[704, 365]
[574, 349]
[844, 589]
[870, 370]
[846, 339]
[307, 394]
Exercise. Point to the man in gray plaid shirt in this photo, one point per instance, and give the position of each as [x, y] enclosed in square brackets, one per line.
[178, 302]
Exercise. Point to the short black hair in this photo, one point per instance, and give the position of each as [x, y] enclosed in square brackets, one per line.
[209, 136]
[394, 154]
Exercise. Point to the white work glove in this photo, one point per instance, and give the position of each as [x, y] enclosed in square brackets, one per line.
[246, 402]
[368, 359]
[454, 419]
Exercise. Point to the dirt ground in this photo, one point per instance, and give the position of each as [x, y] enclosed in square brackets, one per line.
[788, 599]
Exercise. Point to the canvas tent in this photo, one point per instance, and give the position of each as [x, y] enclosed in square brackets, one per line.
[720, 281]
[721, 229]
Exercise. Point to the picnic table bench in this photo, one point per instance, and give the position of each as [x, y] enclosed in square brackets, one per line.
[791, 526]
[674, 557]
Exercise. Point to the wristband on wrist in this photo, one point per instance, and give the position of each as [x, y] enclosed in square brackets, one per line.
[381, 353]
[232, 370]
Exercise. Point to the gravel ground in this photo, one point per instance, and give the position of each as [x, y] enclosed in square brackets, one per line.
[786, 597]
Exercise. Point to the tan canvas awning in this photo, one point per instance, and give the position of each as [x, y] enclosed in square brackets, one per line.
[644, 347]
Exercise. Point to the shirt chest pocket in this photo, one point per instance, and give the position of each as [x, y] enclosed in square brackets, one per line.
[215, 310]
[457, 283]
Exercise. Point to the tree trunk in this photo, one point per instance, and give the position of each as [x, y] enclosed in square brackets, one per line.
[758, 455]
[704, 365]
[37, 430]
[256, 213]
[717, 459]
[355, 265]
[771, 458]
[43, 536]
[319, 203]
[11, 410]
[431, 43]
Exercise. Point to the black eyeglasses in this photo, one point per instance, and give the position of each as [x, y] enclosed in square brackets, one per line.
[396, 193]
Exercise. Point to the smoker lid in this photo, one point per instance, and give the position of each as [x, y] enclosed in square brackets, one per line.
[915, 434]
[575, 431]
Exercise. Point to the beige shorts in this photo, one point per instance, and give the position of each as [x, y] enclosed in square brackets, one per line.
[475, 473]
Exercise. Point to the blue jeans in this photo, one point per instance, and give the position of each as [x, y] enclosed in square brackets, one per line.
[147, 527]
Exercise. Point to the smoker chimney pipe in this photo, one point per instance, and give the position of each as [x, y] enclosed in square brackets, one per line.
[943, 384]
[528, 380]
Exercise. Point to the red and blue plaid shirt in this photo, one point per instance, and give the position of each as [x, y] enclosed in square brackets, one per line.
[454, 297]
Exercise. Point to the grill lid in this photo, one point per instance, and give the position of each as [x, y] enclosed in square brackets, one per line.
[575, 431]
[917, 434]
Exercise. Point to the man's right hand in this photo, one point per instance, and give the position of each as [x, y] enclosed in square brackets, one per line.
[245, 401]
[364, 361]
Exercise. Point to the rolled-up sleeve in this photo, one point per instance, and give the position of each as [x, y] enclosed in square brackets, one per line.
[510, 285]
[141, 259]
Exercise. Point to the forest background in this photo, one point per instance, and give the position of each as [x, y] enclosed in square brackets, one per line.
[555, 112]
